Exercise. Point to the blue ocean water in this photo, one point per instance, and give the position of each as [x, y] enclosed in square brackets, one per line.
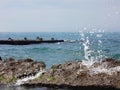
[108, 43]
[103, 44]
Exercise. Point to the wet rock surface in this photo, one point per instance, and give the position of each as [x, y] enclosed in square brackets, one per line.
[104, 73]
[11, 70]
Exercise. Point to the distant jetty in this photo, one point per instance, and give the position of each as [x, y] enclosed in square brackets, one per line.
[25, 41]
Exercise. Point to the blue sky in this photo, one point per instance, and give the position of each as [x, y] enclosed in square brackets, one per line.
[59, 15]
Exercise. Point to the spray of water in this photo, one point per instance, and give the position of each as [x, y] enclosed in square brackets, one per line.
[104, 69]
[89, 59]
[22, 81]
[93, 55]
[90, 40]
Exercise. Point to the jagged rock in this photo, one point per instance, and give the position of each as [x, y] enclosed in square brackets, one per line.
[77, 74]
[71, 74]
[0, 58]
[28, 60]
[13, 69]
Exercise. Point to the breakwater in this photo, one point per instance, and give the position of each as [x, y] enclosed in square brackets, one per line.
[27, 42]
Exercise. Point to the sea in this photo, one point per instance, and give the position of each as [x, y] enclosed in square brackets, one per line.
[77, 46]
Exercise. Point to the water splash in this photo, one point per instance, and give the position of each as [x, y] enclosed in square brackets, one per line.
[94, 55]
[22, 81]
[103, 68]
[87, 51]
[91, 53]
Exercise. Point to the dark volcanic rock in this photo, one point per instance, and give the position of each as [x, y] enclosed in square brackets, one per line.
[11, 70]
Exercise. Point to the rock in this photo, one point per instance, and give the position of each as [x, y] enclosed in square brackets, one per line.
[76, 74]
[71, 74]
[11, 70]
[0, 58]
[28, 60]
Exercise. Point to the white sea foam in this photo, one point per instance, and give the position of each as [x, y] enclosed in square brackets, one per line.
[88, 63]
[22, 81]
[102, 69]
[58, 43]
[71, 41]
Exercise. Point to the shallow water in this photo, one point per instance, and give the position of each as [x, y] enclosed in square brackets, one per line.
[4, 87]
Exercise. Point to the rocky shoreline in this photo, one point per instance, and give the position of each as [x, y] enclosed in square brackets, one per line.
[11, 70]
[99, 75]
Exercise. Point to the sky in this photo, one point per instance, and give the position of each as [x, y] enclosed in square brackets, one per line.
[59, 15]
